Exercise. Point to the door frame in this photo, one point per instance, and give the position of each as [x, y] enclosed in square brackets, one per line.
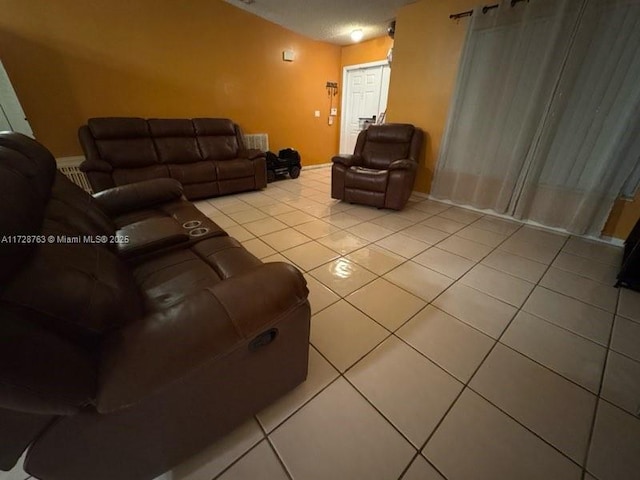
[10, 106]
[345, 93]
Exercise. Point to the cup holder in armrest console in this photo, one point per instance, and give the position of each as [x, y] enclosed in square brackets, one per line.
[198, 232]
[191, 224]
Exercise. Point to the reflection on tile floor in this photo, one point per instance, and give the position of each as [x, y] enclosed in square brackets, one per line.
[445, 345]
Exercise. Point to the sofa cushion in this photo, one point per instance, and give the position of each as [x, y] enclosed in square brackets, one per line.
[82, 289]
[381, 155]
[226, 256]
[109, 128]
[26, 176]
[217, 138]
[195, 191]
[123, 142]
[366, 179]
[386, 143]
[175, 140]
[198, 172]
[236, 168]
[26, 158]
[391, 133]
[168, 279]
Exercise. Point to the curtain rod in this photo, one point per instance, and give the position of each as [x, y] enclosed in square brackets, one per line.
[485, 9]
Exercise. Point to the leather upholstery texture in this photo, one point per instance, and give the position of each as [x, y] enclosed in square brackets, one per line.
[132, 330]
[382, 169]
[200, 153]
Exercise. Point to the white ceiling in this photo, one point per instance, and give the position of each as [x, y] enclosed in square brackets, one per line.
[327, 20]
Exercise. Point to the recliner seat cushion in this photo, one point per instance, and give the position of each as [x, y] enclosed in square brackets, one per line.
[199, 172]
[366, 179]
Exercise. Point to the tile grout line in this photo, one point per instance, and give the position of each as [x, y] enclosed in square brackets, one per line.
[342, 374]
[601, 385]
[393, 332]
[244, 454]
[466, 384]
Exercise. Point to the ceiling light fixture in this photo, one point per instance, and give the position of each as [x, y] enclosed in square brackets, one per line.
[356, 35]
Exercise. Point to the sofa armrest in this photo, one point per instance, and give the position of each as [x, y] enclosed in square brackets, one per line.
[404, 164]
[251, 153]
[149, 235]
[139, 195]
[95, 166]
[146, 356]
[347, 160]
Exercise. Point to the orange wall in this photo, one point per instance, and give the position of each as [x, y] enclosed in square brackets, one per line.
[71, 60]
[623, 217]
[425, 64]
[364, 52]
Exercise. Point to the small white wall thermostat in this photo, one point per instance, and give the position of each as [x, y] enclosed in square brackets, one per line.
[287, 55]
[334, 112]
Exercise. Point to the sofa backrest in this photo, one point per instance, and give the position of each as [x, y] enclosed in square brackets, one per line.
[218, 138]
[123, 142]
[27, 172]
[380, 145]
[123, 150]
[174, 140]
[150, 145]
[60, 294]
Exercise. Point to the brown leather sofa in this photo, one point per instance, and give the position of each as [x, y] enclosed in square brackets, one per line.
[120, 360]
[382, 169]
[206, 155]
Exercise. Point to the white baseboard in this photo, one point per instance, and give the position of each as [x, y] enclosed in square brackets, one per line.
[602, 239]
[316, 166]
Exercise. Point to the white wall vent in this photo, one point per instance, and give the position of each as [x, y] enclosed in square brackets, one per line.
[257, 140]
[78, 177]
[69, 166]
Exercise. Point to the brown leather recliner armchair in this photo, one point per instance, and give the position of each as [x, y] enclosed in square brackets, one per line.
[381, 170]
[119, 362]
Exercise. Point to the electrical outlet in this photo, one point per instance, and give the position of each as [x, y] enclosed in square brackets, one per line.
[334, 112]
[330, 120]
[316, 114]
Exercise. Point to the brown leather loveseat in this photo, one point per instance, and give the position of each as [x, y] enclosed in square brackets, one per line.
[206, 155]
[133, 330]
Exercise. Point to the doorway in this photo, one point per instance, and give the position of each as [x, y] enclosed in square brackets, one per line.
[364, 100]
[11, 114]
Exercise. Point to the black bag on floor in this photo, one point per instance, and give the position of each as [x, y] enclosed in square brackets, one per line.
[287, 161]
[629, 275]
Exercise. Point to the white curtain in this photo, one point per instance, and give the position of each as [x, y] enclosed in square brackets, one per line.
[545, 120]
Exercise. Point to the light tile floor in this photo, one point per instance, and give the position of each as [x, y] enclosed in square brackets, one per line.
[444, 344]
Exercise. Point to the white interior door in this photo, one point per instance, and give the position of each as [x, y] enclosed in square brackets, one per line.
[12, 116]
[364, 100]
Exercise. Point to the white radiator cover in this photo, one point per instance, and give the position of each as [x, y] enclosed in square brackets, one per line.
[257, 140]
[70, 165]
